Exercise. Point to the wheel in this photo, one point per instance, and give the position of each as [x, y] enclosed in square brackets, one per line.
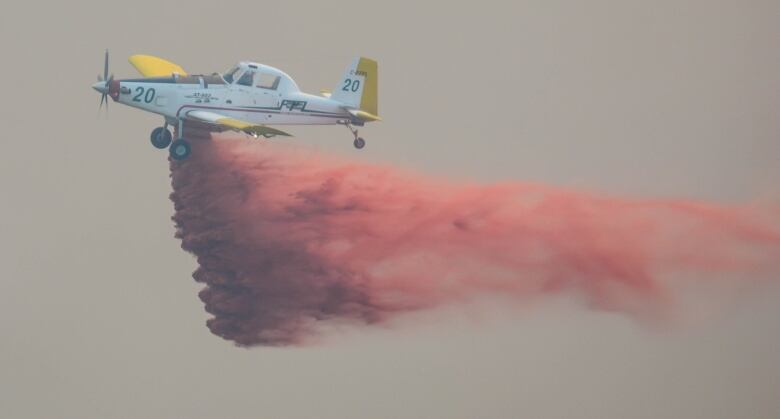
[359, 143]
[161, 137]
[180, 149]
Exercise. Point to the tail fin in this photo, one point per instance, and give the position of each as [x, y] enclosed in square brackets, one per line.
[358, 88]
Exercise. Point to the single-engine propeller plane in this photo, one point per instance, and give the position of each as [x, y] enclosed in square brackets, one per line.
[247, 98]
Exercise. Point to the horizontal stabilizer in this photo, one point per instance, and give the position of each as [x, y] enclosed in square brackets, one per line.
[365, 116]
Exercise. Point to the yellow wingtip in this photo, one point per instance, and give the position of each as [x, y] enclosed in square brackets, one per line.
[233, 123]
[251, 128]
[151, 66]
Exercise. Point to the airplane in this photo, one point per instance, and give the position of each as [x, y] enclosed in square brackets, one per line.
[247, 98]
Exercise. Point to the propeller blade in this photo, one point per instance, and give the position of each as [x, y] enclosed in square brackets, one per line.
[105, 67]
[107, 81]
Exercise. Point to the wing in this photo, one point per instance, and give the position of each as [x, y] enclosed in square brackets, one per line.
[235, 124]
[150, 66]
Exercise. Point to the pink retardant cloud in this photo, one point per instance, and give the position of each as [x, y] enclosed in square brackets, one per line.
[287, 239]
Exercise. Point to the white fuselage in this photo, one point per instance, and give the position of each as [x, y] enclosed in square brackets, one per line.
[174, 100]
[280, 104]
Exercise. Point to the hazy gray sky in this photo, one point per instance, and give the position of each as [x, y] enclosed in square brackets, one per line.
[100, 318]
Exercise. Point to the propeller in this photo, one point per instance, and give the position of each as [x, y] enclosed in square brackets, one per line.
[106, 82]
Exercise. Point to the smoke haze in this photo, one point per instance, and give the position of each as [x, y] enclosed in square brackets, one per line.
[287, 238]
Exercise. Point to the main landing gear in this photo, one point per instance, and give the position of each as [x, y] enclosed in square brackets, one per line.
[179, 149]
[161, 137]
[359, 141]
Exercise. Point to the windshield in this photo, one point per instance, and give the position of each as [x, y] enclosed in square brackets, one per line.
[246, 78]
[228, 76]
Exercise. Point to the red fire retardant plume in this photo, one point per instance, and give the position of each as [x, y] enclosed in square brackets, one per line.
[287, 240]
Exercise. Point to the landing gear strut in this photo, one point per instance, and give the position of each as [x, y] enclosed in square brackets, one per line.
[359, 141]
[181, 148]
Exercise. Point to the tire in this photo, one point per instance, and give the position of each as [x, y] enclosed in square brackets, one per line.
[359, 143]
[161, 137]
[180, 149]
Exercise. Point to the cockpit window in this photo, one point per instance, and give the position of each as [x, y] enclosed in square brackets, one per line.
[230, 73]
[267, 81]
[246, 78]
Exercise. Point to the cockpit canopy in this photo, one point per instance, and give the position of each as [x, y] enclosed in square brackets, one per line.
[259, 76]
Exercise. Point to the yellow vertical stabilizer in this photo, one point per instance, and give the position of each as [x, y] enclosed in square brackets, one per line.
[358, 88]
